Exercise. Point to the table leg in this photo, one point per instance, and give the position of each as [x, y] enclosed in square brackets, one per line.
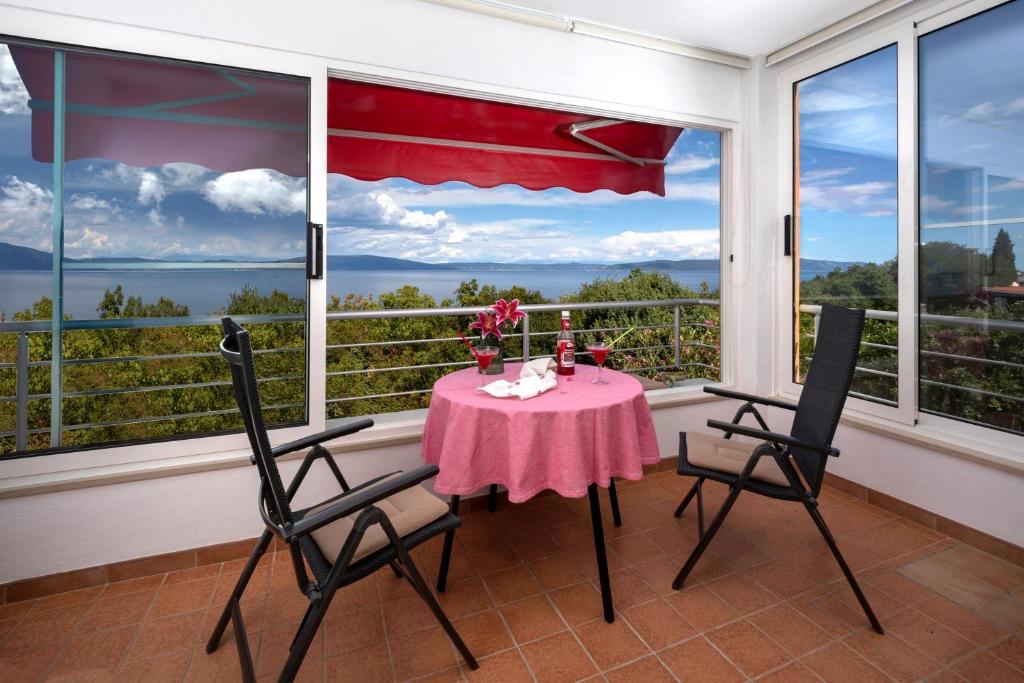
[615, 502]
[492, 498]
[602, 558]
[446, 552]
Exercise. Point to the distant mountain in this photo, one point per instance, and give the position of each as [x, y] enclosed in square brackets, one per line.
[13, 257]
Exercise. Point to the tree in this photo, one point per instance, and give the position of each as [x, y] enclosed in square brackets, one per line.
[1004, 262]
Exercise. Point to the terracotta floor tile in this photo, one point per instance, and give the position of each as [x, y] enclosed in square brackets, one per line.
[492, 556]
[350, 627]
[555, 572]
[78, 597]
[648, 670]
[118, 610]
[26, 663]
[201, 572]
[532, 618]
[791, 629]
[793, 673]
[611, 644]
[484, 633]
[368, 664]
[422, 653]
[578, 603]
[697, 660]
[535, 546]
[659, 573]
[744, 594]
[253, 611]
[628, 589]
[406, 615]
[839, 663]
[16, 609]
[94, 652]
[511, 584]
[963, 621]
[658, 624]
[980, 564]
[285, 610]
[635, 548]
[464, 597]
[220, 665]
[702, 608]
[984, 668]
[165, 669]
[187, 596]
[900, 587]
[506, 667]
[1010, 651]
[893, 655]
[928, 635]
[44, 627]
[162, 636]
[748, 648]
[558, 658]
[275, 649]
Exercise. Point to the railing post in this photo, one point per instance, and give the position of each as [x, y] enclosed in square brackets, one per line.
[817, 319]
[675, 340]
[21, 396]
[526, 338]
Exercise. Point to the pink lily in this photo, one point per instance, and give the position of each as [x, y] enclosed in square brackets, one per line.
[487, 322]
[508, 311]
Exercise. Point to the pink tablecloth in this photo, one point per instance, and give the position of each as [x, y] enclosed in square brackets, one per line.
[566, 439]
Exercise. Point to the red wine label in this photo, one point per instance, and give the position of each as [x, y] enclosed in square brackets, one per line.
[566, 354]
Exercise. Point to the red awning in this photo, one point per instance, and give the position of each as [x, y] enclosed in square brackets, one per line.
[377, 131]
[145, 113]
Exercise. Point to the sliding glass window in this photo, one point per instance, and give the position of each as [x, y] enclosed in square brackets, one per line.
[971, 103]
[142, 199]
[845, 212]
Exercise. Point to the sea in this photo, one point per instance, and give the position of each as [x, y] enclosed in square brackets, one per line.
[207, 291]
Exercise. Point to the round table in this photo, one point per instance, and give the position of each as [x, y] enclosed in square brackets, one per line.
[570, 439]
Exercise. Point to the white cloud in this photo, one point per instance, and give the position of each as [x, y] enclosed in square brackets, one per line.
[1013, 184]
[13, 96]
[822, 174]
[183, 175]
[380, 208]
[933, 202]
[819, 99]
[257, 191]
[672, 244]
[87, 243]
[26, 211]
[875, 197]
[704, 191]
[690, 164]
[981, 111]
[151, 189]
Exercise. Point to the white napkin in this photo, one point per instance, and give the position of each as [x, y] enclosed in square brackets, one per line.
[535, 378]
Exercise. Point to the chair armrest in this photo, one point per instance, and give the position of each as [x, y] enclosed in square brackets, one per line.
[317, 439]
[774, 437]
[359, 499]
[750, 398]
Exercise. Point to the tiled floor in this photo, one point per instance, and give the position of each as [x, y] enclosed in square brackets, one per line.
[767, 602]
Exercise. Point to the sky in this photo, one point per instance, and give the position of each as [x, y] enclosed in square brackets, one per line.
[972, 141]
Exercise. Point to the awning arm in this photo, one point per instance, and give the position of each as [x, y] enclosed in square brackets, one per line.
[576, 130]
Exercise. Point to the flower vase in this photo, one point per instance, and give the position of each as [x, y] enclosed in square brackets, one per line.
[497, 365]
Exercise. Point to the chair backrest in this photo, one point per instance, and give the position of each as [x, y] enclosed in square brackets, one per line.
[836, 348]
[237, 350]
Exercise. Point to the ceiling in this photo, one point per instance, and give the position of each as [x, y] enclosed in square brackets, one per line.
[744, 27]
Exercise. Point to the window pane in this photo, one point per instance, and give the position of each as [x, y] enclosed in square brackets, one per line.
[971, 218]
[398, 244]
[26, 272]
[845, 225]
[184, 198]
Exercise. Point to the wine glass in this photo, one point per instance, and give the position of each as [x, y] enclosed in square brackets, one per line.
[484, 355]
[600, 351]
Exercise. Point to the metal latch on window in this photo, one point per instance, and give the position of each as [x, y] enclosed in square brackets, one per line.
[315, 251]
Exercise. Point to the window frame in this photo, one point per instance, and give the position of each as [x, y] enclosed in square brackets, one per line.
[903, 31]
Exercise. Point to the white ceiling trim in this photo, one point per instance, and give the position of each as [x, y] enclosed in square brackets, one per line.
[558, 22]
[870, 13]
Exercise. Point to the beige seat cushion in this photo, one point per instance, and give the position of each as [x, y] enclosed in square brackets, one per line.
[731, 455]
[408, 510]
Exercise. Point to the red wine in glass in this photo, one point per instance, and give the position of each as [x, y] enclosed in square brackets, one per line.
[600, 352]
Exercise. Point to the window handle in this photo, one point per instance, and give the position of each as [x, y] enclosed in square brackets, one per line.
[314, 251]
[787, 235]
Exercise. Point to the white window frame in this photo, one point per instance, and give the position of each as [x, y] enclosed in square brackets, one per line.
[903, 31]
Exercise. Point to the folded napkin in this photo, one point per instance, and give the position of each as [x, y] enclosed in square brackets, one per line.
[535, 378]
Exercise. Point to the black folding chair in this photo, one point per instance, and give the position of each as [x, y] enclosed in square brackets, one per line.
[774, 467]
[343, 539]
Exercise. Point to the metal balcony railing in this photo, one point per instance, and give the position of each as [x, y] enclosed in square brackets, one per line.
[526, 336]
[928, 319]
